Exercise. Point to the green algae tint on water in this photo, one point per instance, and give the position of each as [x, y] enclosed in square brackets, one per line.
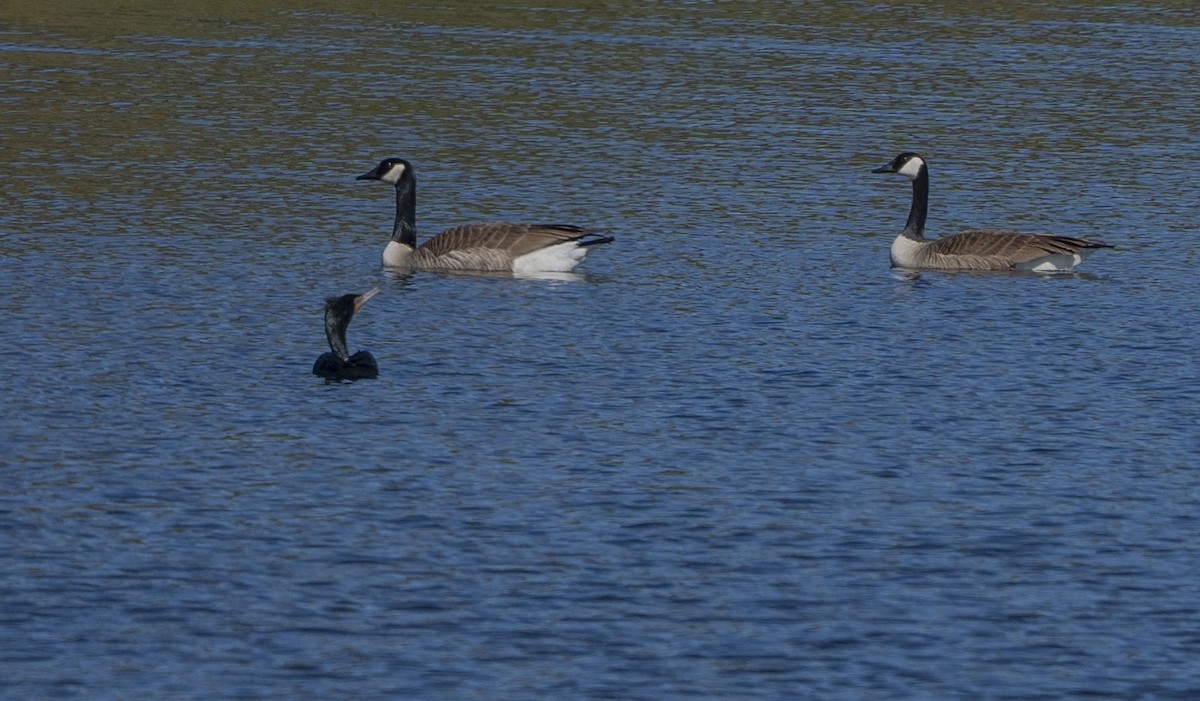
[736, 456]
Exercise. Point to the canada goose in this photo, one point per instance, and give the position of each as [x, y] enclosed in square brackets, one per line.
[338, 364]
[976, 249]
[494, 246]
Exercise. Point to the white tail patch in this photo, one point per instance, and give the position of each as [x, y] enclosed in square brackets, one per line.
[1056, 263]
[559, 258]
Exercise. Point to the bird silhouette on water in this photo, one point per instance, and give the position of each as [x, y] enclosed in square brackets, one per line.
[338, 364]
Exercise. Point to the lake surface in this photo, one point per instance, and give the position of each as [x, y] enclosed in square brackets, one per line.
[735, 457]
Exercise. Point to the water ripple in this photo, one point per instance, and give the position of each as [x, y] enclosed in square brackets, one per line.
[734, 457]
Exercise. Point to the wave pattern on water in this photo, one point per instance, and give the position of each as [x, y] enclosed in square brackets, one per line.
[736, 457]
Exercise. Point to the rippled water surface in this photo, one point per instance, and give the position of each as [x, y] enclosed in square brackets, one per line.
[736, 457]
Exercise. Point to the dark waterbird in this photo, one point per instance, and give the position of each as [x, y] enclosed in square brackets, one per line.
[338, 364]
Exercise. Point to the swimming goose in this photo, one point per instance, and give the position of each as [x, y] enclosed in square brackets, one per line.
[338, 364]
[976, 249]
[495, 246]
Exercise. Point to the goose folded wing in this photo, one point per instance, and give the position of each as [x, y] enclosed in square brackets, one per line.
[1009, 245]
[515, 240]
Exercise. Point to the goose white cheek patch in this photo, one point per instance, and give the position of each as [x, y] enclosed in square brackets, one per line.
[393, 176]
[911, 168]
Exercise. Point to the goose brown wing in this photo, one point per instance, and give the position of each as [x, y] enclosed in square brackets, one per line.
[513, 239]
[1009, 245]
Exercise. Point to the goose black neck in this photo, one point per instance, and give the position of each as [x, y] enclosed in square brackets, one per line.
[405, 229]
[336, 323]
[915, 228]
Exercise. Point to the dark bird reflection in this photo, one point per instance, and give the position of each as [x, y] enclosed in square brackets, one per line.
[338, 364]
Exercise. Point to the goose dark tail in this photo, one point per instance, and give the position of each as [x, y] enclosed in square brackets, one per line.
[593, 238]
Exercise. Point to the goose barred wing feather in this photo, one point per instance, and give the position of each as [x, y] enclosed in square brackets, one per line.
[1009, 245]
[494, 245]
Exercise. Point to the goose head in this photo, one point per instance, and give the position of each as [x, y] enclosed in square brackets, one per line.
[389, 170]
[907, 164]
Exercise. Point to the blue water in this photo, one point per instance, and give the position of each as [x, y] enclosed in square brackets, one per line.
[737, 457]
